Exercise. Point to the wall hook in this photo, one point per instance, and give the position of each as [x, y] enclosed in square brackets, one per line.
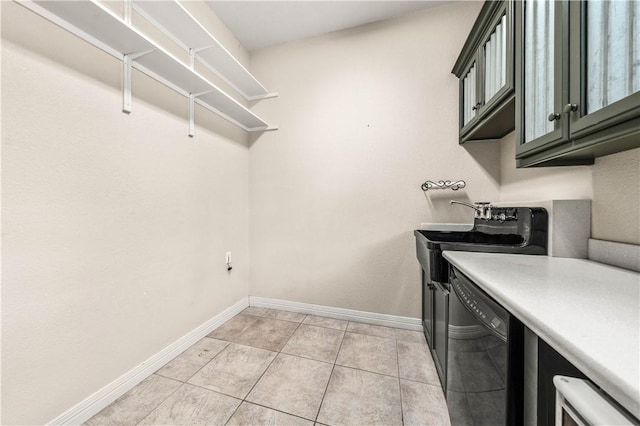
[443, 184]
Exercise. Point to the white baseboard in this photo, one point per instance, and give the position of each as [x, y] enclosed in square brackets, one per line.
[338, 313]
[92, 405]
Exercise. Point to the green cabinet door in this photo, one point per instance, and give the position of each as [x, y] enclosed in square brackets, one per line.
[604, 91]
[540, 74]
[577, 80]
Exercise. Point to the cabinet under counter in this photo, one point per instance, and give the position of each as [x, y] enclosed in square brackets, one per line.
[586, 311]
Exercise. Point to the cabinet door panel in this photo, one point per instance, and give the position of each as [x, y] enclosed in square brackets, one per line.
[539, 100]
[605, 71]
[469, 95]
[427, 309]
[540, 75]
[613, 52]
[495, 59]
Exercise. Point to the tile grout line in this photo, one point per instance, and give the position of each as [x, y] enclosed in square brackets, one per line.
[399, 383]
[322, 326]
[369, 371]
[268, 366]
[437, 386]
[204, 365]
[372, 335]
[308, 357]
[211, 390]
[244, 399]
[216, 355]
[186, 381]
[161, 402]
[369, 334]
[279, 351]
[234, 412]
[330, 375]
[273, 409]
[309, 324]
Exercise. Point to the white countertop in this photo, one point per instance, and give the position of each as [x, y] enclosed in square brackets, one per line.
[587, 311]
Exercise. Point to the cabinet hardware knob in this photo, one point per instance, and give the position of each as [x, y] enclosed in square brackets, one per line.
[554, 116]
[570, 108]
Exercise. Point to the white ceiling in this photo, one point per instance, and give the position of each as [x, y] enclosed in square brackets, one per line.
[259, 24]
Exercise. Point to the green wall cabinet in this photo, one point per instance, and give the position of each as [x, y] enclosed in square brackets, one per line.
[577, 66]
[486, 73]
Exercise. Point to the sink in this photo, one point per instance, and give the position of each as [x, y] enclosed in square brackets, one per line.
[473, 237]
[511, 230]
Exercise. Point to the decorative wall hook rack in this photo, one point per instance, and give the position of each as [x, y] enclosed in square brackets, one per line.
[443, 184]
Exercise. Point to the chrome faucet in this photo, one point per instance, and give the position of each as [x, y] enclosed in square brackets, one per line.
[482, 209]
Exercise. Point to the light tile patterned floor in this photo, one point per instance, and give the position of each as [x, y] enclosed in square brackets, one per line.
[270, 367]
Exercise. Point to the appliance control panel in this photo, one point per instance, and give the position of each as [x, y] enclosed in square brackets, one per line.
[467, 297]
[477, 303]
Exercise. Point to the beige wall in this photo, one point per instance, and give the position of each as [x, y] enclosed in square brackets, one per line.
[115, 226]
[365, 115]
[540, 183]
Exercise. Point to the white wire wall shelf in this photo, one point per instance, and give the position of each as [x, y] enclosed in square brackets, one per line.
[99, 26]
[177, 23]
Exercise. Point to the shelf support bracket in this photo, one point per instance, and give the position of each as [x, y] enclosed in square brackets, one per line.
[126, 63]
[192, 110]
[192, 113]
[126, 103]
[263, 129]
[261, 97]
[192, 55]
[192, 58]
[127, 12]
